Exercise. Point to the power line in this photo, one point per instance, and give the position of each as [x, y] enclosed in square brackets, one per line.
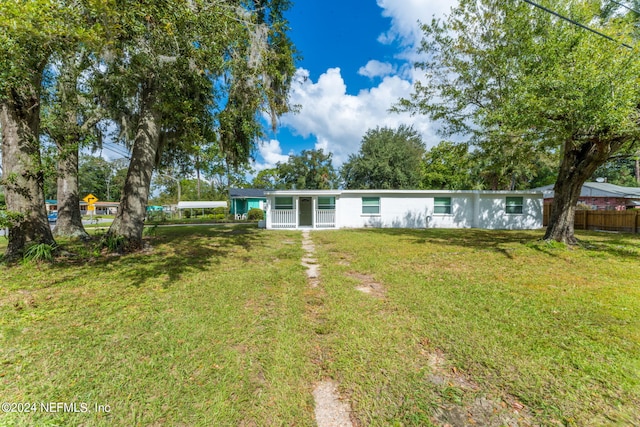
[577, 23]
[118, 151]
[625, 6]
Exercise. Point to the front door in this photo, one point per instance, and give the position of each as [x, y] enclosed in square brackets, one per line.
[305, 213]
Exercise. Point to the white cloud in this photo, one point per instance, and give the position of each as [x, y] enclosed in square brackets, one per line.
[406, 16]
[375, 68]
[271, 153]
[339, 120]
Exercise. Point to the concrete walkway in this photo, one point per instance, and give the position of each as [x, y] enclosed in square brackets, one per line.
[330, 410]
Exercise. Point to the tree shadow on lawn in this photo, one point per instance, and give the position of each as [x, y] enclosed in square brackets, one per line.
[482, 240]
[499, 241]
[623, 245]
[174, 251]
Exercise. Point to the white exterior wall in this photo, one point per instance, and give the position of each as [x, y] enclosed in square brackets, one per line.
[394, 212]
[492, 213]
[408, 209]
[404, 211]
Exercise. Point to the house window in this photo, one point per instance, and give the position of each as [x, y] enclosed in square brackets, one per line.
[284, 202]
[442, 205]
[326, 202]
[370, 205]
[514, 205]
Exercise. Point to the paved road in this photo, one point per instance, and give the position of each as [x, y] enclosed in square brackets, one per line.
[53, 224]
[3, 231]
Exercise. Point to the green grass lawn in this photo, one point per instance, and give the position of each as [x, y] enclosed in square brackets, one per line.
[218, 326]
[205, 329]
[552, 328]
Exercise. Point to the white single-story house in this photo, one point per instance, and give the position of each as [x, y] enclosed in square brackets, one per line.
[318, 209]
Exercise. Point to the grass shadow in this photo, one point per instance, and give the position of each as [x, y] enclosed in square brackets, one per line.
[481, 240]
[173, 251]
[621, 245]
[501, 241]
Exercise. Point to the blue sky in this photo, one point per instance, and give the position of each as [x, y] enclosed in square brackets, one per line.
[356, 63]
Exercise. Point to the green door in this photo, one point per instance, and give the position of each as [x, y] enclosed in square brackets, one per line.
[305, 215]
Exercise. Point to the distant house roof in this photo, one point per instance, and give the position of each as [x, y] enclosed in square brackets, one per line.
[246, 193]
[201, 204]
[598, 189]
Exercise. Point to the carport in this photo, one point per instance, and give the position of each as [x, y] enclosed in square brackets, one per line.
[202, 204]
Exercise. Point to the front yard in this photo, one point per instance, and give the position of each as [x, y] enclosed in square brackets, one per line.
[219, 326]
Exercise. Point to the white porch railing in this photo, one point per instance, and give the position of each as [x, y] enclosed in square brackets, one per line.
[283, 218]
[325, 218]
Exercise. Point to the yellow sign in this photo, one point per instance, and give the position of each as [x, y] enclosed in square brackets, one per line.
[91, 207]
[90, 199]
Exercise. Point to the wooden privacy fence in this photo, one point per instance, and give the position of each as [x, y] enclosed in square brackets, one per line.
[625, 221]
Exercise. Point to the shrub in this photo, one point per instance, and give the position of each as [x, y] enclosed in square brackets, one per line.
[218, 217]
[255, 214]
[40, 252]
[113, 243]
[221, 210]
[581, 206]
[150, 231]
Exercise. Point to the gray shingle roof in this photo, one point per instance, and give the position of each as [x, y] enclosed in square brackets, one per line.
[598, 189]
[246, 193]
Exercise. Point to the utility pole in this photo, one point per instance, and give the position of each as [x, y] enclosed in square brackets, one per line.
[198, 173]
[178, 183]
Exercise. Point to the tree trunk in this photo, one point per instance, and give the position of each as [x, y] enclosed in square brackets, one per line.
[129, 222]
[578, 164]
[23, 176]
[69, 222]
[563, 210]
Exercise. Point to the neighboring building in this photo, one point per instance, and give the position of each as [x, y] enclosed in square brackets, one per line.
[601, 196]
[293, 209]
[201, 205]
[101, 208]
[106, 208]
[245, 199]
[51, 205]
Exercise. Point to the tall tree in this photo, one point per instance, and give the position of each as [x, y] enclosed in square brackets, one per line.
[619, 171]
[102, 178]
[387, 159]
[179, 63]
[116, 177]
[268, 179]
[449, 166]
[311, 170]
[69, 119]
[31, 33]
[510, 74]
